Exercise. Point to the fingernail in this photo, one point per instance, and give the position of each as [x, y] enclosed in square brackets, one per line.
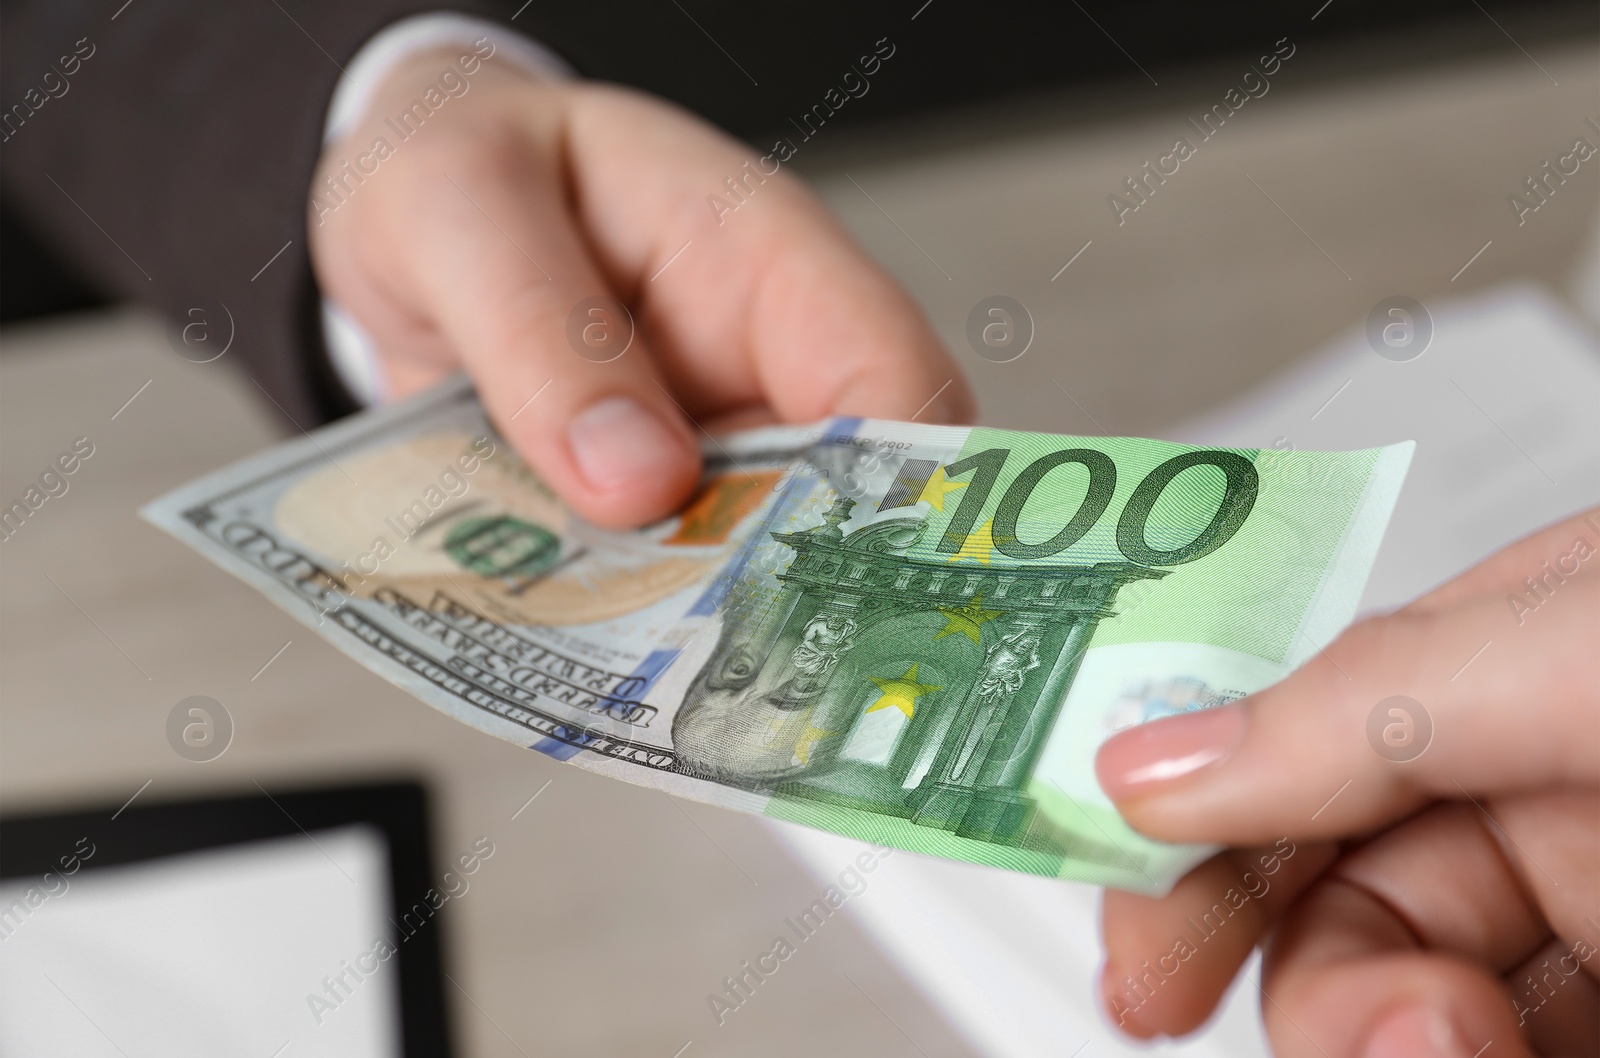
[1414, 1032]
[1167, 749]
[618, 442]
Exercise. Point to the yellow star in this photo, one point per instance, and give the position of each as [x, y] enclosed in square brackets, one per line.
[979, 544]
[967, 621]
[775, 726]
[938, 487]
[808, 738]
[901, 693]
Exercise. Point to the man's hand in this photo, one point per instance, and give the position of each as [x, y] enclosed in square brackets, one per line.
[478, 236]
[1433, 902]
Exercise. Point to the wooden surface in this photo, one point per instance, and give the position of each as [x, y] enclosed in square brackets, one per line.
[610, 912]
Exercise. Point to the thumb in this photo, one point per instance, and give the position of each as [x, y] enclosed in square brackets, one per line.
[1455, 701]
[508, 281]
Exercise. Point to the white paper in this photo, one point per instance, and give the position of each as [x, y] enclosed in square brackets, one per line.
[206, 955]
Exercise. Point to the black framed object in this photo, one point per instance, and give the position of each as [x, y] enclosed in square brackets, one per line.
[31, 846]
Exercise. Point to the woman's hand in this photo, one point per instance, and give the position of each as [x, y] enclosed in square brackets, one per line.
[480, 238]
[1441, 892]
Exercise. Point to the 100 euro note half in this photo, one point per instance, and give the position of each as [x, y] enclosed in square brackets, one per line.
[912, 635]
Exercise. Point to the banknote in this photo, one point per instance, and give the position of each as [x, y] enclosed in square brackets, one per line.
[913, 635]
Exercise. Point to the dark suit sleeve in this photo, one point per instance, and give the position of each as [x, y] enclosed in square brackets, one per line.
[175, 158]
[178, 158]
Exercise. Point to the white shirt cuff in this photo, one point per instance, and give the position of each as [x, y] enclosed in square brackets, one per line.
[349, 346]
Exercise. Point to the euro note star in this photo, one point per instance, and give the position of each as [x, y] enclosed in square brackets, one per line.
[808, 738]
[979, 544]
[938, 487]
[967, 621]
[902, 692]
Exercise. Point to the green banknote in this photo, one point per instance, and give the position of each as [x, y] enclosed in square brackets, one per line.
[913, 635]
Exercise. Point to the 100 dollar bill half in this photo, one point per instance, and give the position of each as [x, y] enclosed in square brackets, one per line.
[913, 635]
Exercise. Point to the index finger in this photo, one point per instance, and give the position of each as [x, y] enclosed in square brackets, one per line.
[1452, 702]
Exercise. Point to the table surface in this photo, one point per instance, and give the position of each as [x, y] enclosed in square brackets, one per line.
[609, 913]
